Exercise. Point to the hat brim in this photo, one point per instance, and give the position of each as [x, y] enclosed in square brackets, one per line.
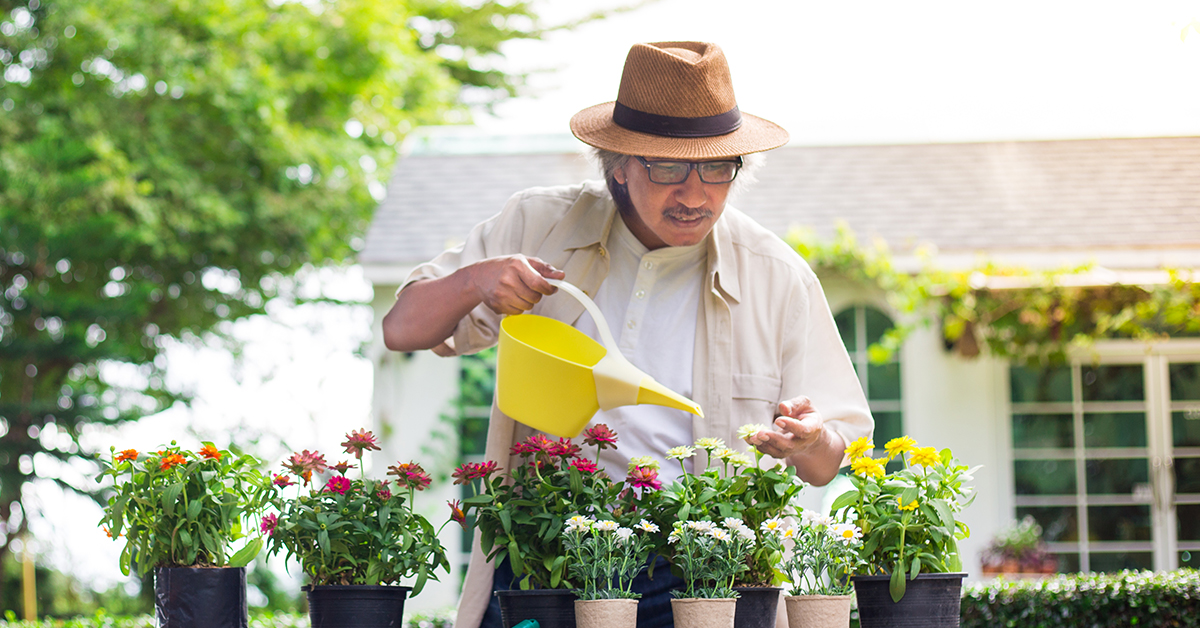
[595, 126]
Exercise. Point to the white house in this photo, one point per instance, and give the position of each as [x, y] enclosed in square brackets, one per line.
[1105, 453]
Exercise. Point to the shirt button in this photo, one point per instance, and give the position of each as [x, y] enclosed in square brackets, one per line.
[631, 324]
[603, 252]
[649, 265]
[640, 294]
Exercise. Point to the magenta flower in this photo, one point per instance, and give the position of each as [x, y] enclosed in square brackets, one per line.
[282, 480]
[601, 436]
[305, 464]
[473, 471]
[268, 524]
[644, 477]
[383, 494]
[456, 513]
[583, 465]
[337, 484]
[564, 448]
[410, 475]
[359, 441]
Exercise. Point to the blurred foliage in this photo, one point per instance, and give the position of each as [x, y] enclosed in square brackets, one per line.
[1041, 319]
[166, 166]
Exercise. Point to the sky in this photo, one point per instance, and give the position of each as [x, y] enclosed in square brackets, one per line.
[831, 72]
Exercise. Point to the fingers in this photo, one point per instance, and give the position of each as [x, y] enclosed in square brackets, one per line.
[514, 284]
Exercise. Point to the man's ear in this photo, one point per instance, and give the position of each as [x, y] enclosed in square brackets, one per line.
[619, 175]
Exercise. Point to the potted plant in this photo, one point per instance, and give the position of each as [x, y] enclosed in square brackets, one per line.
[180, 513]
[355, 538]
[1019, 549]
[910, 531]
[823, 556]
[710, 557]
[522, 514]
[605, 557]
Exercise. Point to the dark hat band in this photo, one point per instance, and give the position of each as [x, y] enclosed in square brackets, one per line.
[671, 126]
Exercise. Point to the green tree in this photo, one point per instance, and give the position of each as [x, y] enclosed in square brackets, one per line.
[165, 163]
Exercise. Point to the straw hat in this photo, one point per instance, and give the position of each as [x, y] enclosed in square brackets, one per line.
[676, 102]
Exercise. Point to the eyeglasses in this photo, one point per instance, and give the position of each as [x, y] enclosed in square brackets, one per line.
[671, 172]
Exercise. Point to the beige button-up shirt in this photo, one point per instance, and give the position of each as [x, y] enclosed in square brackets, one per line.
[764, 334]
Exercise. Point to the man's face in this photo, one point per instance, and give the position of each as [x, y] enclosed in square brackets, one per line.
[679, 214]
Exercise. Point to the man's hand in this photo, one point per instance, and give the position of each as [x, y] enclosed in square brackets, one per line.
[514, 283]
[802, 428]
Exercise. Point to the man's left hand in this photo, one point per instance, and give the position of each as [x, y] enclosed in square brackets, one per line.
[801, 428]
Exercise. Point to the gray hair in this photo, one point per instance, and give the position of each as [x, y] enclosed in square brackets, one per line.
[609, 162]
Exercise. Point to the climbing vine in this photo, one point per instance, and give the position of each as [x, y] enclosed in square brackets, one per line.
[1040, 320]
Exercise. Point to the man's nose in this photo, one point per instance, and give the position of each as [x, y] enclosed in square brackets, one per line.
[691, 192]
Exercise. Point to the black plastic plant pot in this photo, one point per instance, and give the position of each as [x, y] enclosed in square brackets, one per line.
[756, 607]
[552, 608]
[933, 600]
[356, 605]
[196, 597]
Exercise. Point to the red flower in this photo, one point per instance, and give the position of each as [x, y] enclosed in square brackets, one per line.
[282, 480]
[456, 513]
[337, 484]
[268, 524]
[564, 448]
[128, 454]
[341, 467]
[171, 460]
[583, 465]
[472, 471]
[383, 494]
[410, 475]
[210, 451]
[599, 435]
[305, 464]
[644, 477]
[359, 441]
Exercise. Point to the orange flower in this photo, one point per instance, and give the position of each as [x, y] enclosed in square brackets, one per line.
[128, 454]
[210, 451]
[171, 460]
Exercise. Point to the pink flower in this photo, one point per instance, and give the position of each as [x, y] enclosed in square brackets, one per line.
[563, 448]
[359, 441]
[644, 477]
[341, 467]
[383, 494]
[456, 513]
[473, 470]
[599, 435]
[583, 465]
[337, 484]
[410, 475]
[268, 524]
[282, 480]
[535, 444]
[305, 464]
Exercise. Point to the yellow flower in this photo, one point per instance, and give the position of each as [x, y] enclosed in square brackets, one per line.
[868, 467]
[926, 456]
[911, 505]
[860, 447]
[709, 444]
[748, 430]
[897, 446]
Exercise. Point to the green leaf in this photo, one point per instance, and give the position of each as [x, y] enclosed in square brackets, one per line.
[843, 500]
[169, 496]
[242, 557]
[896, 585]
[193, 509]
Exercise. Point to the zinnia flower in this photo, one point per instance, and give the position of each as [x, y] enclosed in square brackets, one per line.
[341, 467]
[359, 441]
[681, 452]
[643, 461]
[564, 448]
[709, 444]
[210, 452]
[644, 477]
[337, 484]
[739, 459]
[304, 464]
[268, 524]
[473, 470]
[171, 460]
[750, 429]
[383, 494]
[128, 454]
[868, 467]
[282, 480]
[899, 445]
[860, 447]
[456, 513]
[925, 456]
[410, 475]
[583, 465]
[599, 435]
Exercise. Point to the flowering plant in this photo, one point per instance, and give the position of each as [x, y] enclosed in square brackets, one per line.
[907, 517]
[521, 515]
[355, 531]
[823, 556]
[710, 557]
[606, 556]
[178, 508]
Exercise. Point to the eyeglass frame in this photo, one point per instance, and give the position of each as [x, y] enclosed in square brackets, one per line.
[692, 165]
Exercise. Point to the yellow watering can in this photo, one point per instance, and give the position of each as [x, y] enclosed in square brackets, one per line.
[553, 377]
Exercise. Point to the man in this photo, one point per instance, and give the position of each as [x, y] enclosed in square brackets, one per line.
[701, 298]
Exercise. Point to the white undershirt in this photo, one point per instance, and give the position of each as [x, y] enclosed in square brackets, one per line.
[651, 300]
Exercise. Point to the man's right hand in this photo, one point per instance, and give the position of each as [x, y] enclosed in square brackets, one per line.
[513, 284]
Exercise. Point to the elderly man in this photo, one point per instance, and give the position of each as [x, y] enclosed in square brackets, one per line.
[701, 297]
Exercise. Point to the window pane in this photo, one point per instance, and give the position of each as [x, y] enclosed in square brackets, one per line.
[1040, 385]
[1119, 561]
[1185, 428]
[1185, 382]
[1187, 475]
[1059, 523]
[1114, 429]
[1118, 523]
[1189, 521]
[845, 324]
[1031, 431]
[877, 324]
[887, 427]
[1068, 562]
[473, 437]
[1044, 477]
[1117, 477]
[883, 381]
[1118, 382]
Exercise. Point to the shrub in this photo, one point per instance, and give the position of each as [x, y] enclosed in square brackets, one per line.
[1122, 599]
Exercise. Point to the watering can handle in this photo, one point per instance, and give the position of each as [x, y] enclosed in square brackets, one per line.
[591, 307]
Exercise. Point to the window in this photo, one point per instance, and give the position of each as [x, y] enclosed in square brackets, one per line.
[861, 326]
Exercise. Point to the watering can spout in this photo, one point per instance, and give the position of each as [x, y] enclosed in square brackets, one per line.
[655, 393]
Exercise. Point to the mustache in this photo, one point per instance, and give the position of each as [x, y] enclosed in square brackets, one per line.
[685, 213]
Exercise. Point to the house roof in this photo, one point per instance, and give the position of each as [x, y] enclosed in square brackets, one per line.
[1127, 203]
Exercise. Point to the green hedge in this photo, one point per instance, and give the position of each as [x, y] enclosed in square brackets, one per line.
[278, 620]
[1114, 600]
